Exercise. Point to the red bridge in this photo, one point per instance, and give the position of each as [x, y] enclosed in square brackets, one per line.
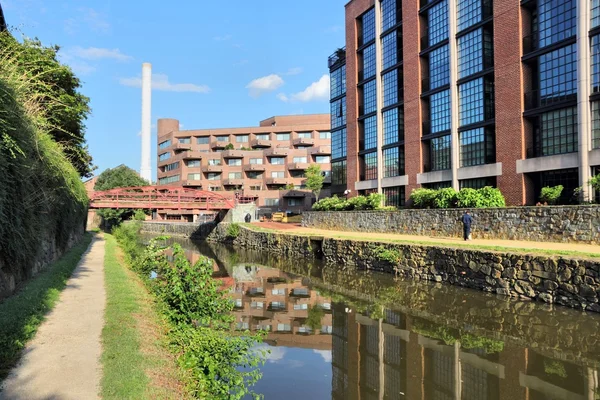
[152, 197]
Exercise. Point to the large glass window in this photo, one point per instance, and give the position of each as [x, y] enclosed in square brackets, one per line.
[214, 161]
[470, 12]
[185, 140]
[325, 135]
[369, 63]
[192, 163]
[169, 179]
[338, 82]
[437, 22]
[235, 175]
[165, 144]
[256, 161]
[391, 86]
[439, 67]
[393, 126]
[558, 131]
[254, 175]
[439, 106]
[203, 140]
[470, 100]
[369, 133]
[301, 159]
[242, 138]
[391, 13]
[596, 124]
[369, 167]
[171, 167]
[304, 135]
[478, 183]
[369, 93]
[338, 144]
[440, 153]
[475, 51]
[391, 49]
[277, 174]
[557, 20]
[283, 136]
[213, 176]
[234, 161]
[558, 73]
[368, 27]
[277, 160]
[164, 156]
[322, 159]
[338, 173]
[262, 136]
[222, 138]
[476, 147]
[393, 162]
[394, 196]
[595, 52]
[595, 12]
[338, 113]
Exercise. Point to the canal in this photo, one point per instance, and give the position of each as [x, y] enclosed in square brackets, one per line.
[338, 333]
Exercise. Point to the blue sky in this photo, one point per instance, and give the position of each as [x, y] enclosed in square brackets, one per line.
[215, 64]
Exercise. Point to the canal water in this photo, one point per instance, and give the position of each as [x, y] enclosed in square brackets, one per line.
[338, 333]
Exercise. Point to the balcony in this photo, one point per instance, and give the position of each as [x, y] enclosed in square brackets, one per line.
[337, 58]
[300, 292]
[298, 166]
[233, 182]
[193, 182]
[191, 155]
[297, 194]
[233, 154]
[277, 151]
[303, 142]
[321, 151]
[254, 167]
[260, 143]
[277, 181]
[212, 168]
[181, 146]
[219, 144]
[534, 99]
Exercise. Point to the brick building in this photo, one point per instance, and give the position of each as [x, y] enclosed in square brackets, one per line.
[466, 93]
[266, 163]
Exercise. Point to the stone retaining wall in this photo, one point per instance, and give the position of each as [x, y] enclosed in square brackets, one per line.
[577, 224]
[566, 281]
[183, 229]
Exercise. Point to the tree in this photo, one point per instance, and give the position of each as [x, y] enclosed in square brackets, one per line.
[67, 108]
[121, 176]
[314, 179]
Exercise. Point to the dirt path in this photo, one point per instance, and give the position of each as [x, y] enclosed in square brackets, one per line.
[62, 362]
[445, 241]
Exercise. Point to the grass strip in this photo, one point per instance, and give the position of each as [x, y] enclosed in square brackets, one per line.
[468, 246]
[22, 313]
[122, 361]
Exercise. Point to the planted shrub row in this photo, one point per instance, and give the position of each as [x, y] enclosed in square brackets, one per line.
[465, 198]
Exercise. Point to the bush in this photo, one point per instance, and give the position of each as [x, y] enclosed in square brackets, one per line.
[370, 202]
[423, 198]
[139, 215]
[551, 194]
[330, 204]
[445, 198]
[468, 198]
[233, 230]
[491, 197]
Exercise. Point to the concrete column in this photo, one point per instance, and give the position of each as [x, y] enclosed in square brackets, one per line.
[379, 85]
[457, 372]
[146, 169]
[452, 50]
[583, 96]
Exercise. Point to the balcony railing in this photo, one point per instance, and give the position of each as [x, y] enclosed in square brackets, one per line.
[212, 168]
[277, 181]
[233, 154]
[254, 167]
[321, 150]
[298, 166]
[337, 58]
[303, 141]
[191, 155]
[534, 99]
[260, 143]
[277, 151]
[233, 182]
[219, 144]
[182, 146]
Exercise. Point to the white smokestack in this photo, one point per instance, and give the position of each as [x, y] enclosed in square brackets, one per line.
[146, 169]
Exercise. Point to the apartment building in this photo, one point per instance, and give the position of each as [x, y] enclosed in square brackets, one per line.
[467, 93]
[265, 163]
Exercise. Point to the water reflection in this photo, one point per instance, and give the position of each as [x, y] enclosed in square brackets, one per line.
[345, 334]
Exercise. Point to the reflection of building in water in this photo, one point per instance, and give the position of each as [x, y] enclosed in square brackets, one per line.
[388, 359]
[269, 299]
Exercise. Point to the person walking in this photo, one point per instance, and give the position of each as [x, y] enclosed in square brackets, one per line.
[467, 220]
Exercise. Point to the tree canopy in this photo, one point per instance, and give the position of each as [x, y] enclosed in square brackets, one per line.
[58, 92]
[314, 179]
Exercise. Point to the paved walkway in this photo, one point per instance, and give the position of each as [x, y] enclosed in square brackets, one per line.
[62, 362]
[444, 241]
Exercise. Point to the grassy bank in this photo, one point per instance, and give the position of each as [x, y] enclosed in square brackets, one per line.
[22, 313]
[135, 359]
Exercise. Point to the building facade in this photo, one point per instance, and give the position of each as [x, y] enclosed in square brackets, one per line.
[265, 163]
[467, 93]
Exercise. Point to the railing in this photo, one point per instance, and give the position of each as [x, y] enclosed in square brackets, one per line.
[337, 58]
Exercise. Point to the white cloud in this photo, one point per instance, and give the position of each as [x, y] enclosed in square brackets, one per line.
[265, 84]
[317, 91]
[161, 82]
[274, 355]
[222, 38]
[326, 354]
[294, 71]
[97, 53]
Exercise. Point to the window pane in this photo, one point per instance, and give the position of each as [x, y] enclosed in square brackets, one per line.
[241, 139]
[393, 125]
[558, 131]
[558, 73]
[557, 20]
[394, 196]
[369, 59]
[202, 140]
[369, 97]
[338, 173]
[439, 67]
[439, 105]
[338, 143]
[393, 162]
[368, 26]
[338, 82]
[440, 153]
[338, 113]
[369, 133]
[391, 13]
[391, 87]
[437, 18]
[471, 102]
[369, 167]
[476, 147]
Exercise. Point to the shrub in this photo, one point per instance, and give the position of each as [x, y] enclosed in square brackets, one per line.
[139, 215]
[468, 198]
[491, 197]
[422, 198]
[370, 202]
[445, 198]
[233, 231]
[374, 201]
[551, 194]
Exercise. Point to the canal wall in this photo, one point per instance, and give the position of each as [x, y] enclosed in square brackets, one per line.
[180, 229]
[576, 224]
[567, 281]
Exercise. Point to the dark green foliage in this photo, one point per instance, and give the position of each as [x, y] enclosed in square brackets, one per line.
[550, 194]
[314, 179]
[486, 197]
[393, 256]
[121, 176]
[22, 313]
[233, 230]
[315, 316]
[370, 202]
[229, 146]
[58, 93]
[219, 363]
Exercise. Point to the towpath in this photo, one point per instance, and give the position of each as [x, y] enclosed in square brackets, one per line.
[586, 250]
[62, 362]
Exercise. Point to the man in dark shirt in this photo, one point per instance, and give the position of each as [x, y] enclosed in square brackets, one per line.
[467, 220]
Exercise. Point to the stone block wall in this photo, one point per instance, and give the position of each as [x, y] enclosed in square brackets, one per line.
[182, 229]
[576, 224]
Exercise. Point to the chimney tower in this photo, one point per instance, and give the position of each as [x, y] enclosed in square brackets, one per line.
[146, 169]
